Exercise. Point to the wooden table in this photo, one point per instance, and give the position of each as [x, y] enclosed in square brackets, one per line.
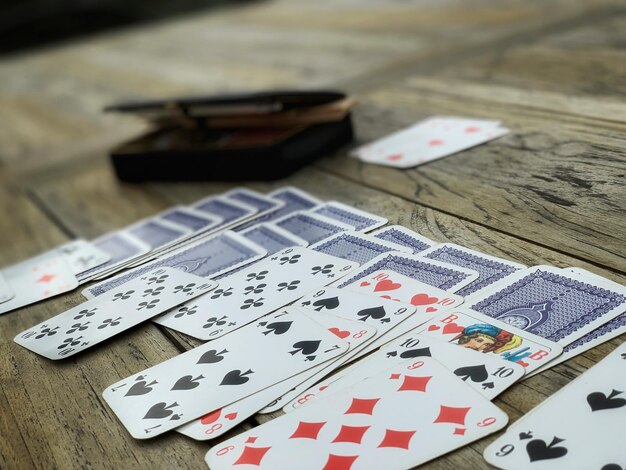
[551, 192]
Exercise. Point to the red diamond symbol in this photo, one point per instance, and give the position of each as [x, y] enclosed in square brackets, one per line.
[307, 430]
[394, 376]
[450, 414]
[459, 431]
[251, 456]
[351, 434]
[363, 406]
[339, 462]
[411, 383]
[251, 440]
[435, 142]
[46, 278]
[395, 438]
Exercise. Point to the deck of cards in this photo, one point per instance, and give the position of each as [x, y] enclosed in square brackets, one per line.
[377, 346]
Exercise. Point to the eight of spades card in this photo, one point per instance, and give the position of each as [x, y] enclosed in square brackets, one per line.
[580, 426]
[219, 421]
[117, 310]
[472, 330]
[400, 418]
[255, 291]
[221, 372]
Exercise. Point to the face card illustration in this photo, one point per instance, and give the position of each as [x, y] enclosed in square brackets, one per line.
[434, 273]
[220, 372]
[580, 426]
[356, 247]
[37, 279]
[402, 236]
[359, 220]
[96, 320]
[255, 291]
[490, 268]
[400, 418]
[551, 303]
[220, 421]
[472, 330]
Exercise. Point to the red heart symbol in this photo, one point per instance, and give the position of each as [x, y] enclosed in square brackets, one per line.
[433, 328]
[452, 328]
[395, 157]
[230, 416]
[364, 283]
[435, 142]
[387, 284]
[211, 417]
[423, 299]
[431, 309]
[471, 130]
[341, 333]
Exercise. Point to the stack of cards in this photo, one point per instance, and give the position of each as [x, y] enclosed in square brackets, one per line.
[429, 140]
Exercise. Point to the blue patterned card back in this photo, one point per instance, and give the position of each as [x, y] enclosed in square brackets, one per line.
[353, 248]
[309, 227]
[229, 211]
[360, 221]
[404, 237]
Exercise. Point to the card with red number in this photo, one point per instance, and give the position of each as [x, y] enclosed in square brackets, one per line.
[400, 418]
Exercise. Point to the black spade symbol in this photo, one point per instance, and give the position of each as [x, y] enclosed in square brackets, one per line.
[160, 410]
[328, 304]
[236, 377]
[187, 382]
[278, 328]
[475, 373]
[140, 388]
[375, 313]
[599, 401]
[305, 347]
[525, 435]
[211, 357]
[538, 450]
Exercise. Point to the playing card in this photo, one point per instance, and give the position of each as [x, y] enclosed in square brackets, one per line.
[157, 233]
[402, 236]
[208, 257]
[580, 426]
[359, 220]
[271, 237]
[310, 227]
[294, 199]
[472, 330]
[96, 320]
[356, 247]
[552, 303]
[6, 293]
[194, 220]
[488, 375]
[255, 291]
[262, 203]
[490, 268]
[230, 211]
[36, 279]
[434, 273]
[220, 372]
[429, 140]
[121, 247]
[81, 255]
[220, 421]
[400, 418]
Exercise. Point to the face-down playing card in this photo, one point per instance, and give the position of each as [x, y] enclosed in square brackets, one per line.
[220, 421]
[580, 426]
[552, 303]
[311, 227]
[403, 236]
[231, 212]
[488, 375]
[98, 319]
[356, 247]
[434, 273]
[400, 418]
[255, 291]
[262, 203]
[359, 220]
[220, 372]
[478, 332]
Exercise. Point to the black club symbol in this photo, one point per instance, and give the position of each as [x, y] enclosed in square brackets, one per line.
[288, 285]
[85, 313]
[214, 321]
[186, 288]
[78, 327]
[322, 269]
[110, 322]
[252, 303]
[148, 305]
[70, 342]
[123, 295]
[182, 311]
[157, 279]
[153, 292]
[257, 276]
[47, 332]
[222, 293]
[289, 259]
[254, 290]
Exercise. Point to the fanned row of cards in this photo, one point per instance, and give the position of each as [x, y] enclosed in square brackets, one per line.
[380, 347]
